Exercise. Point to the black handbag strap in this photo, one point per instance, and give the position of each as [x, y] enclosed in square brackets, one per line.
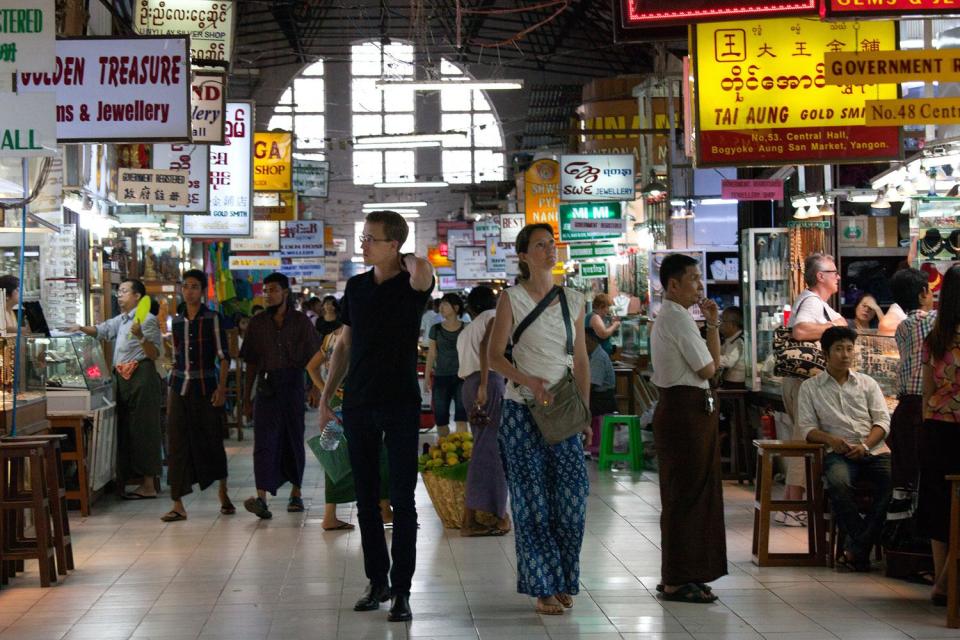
[540, 308]
[826, 315]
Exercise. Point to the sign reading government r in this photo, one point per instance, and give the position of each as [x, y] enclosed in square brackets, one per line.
[891, 67]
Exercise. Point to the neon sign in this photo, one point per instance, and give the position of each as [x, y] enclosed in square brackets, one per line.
[648, 13]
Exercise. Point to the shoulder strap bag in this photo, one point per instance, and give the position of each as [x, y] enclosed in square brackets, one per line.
[567, 415]
[797, 358]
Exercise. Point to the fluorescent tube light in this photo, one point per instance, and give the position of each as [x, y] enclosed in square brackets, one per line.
[457, 81]
[399, 138]
[390, 205]
[410, 185]
[378, 146]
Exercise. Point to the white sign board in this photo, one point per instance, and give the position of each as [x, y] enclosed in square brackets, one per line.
[471, 264]
[510, 226]
[231, 186]
[502, 258]
[243, 262]
[311, 178]
[597, 177]
[208, 99]
[598, 226]
[209, 23]
[302, 239]
[28, 30]
[483, 229]
[193, 158]
[152, 186]
[304, 268]
[28, 127]
[118, 89]
[266, 237]
[458, 238]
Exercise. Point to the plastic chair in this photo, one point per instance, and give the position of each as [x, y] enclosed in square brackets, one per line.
[634, 453]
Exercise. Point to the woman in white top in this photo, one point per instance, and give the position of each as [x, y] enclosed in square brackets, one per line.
[11, 298]
[548, 483]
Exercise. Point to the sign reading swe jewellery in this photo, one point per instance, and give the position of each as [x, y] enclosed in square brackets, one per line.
[762, 96]
[272, 161]
[231, 193]
[595, 213]
[186, 157]
[597, 177]
[208, 101]
[28, 30]
[209, 23]
[152, 186]
[118, 90]
[28, 127]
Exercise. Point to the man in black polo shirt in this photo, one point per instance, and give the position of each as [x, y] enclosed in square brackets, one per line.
[381, 311]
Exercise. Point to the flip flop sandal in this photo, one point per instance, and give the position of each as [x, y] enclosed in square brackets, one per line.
[549, 609]
[343, 526]
[689, 593]
[228, 509]
[173, 516]
[295, 505]
[703, 587]
[565, 599]
[137, 496]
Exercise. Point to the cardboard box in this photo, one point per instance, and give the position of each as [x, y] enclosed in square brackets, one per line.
[882, 232]
[853, 231]
[868, 231]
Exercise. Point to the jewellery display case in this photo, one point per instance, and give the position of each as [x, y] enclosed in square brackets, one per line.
[879, 358]
[77, 375]
[634, 336]
[935, 224]
[765, 273]
[29, 382]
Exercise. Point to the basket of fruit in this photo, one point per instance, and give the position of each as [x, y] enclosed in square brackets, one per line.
[444, 472]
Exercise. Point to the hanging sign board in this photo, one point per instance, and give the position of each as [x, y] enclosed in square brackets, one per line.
[29, 125]
[502, 258]
[303, 268]
[208, 100]
[194, 159]
[596, 250]
[472, 265]
[597, 177]
[763, 100]
[311, 178]
[458, 238]
[238, 262]
[231, 169]
[603, 220]
[483, 229]
[651, 13]
[272, 161]
[594, 270]
[209, 23]
[541, 184]
[275, 206]
[444, 226]
[904, 8]
[510, 226]
[266, 237]
[751, 189]
[118, 89]
[152, 186]
[28, 30]
[891, 67]
[913, 111]
[304, 239]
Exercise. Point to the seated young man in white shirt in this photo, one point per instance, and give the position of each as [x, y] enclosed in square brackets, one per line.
[846, 411]
[731, 349]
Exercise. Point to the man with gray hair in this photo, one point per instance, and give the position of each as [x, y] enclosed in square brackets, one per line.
[811, 316]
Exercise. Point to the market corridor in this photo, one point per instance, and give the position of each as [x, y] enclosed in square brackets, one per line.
[237, 577]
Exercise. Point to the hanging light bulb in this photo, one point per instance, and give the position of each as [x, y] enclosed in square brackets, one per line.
[800, 213]
[653, 187]
[826, 209]
[880, 206]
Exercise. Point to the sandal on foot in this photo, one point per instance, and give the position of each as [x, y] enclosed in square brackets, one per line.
[295, 504]
[703, 587]
[565, 599]
[173, 516]
[549, 609]
[939, 599]
[689, 592]
[343, 526]
[228, 509]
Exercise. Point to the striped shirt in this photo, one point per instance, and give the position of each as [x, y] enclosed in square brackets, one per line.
[910, 336]
[197, 345]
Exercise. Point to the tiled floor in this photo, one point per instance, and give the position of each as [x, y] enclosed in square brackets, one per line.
[236, 577]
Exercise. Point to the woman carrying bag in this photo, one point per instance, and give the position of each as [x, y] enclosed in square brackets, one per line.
[543, 455]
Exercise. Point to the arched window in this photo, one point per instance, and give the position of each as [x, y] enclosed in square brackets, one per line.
[479, 156]
[382, 111]
[301, 110]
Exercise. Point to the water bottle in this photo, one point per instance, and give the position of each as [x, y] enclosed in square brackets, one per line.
[330, 436]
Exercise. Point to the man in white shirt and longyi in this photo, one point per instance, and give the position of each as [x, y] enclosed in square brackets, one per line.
[846, 411]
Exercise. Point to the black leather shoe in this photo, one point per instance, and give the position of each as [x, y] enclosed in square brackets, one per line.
[372, 597]
[400, 611]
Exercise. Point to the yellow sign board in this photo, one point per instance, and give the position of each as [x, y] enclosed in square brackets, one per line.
[542, 194]
[769, 73]
[891, 67]
[272, 161]
[913, 111]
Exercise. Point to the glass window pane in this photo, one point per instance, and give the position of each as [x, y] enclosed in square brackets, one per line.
[310, 131]
[447, 68]
[410, 246]
[309, 92]
[285, 104]
[365, 59]
[488, 166]
[456, 122]
[480, 102]
[400, 166]
[282, 122]
[398, 99]
[309, 156]
[365, 95]
[455, 99]
[357, 232]
[367, 167]
[456, 167]
[367, 125]
[398, 60]
[398, 123]
[316, 69]
[486, 133]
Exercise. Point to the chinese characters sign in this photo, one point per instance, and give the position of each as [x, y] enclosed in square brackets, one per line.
[208, 99]
[762, 96]
[649, 13]
[272, 161]
[151, 186]
[195, 159]
[27, 36]
[230, 180]
[118, 90]
[596, 177]
[208, 23]
[541, 190]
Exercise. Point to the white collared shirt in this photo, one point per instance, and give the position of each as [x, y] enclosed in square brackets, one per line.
[677, 351]
[731, 358]
[848, 411]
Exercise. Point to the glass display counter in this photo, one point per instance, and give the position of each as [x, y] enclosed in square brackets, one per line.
[27, 377]
[765, 275]
[878, 357]
[77, 376]
[634, 339]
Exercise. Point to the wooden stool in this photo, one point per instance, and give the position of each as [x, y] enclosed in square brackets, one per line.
[75, 428]
[953, 555]
[864, 496]
[739, 438]
[633, 455]
[16, 500]
[56, 494]
[765, 505]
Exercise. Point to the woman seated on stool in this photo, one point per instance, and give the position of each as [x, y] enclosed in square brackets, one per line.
[733, 368]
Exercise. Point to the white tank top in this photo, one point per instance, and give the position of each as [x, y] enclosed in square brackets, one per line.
[542, 348]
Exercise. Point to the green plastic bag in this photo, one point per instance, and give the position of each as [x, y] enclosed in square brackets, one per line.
[335, 463]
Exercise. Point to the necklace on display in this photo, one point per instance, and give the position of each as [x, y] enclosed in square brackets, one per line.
[932, 243]
[953, 243]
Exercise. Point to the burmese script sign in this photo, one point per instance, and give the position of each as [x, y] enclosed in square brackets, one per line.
[118, 90]
[208, 100]
[152, 186]
[541, 192]
[596, 177]
[27, 36]
[763, 98]
[209, 24]
[193, 158]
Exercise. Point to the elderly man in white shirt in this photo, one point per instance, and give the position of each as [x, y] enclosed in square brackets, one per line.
[846, 411]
